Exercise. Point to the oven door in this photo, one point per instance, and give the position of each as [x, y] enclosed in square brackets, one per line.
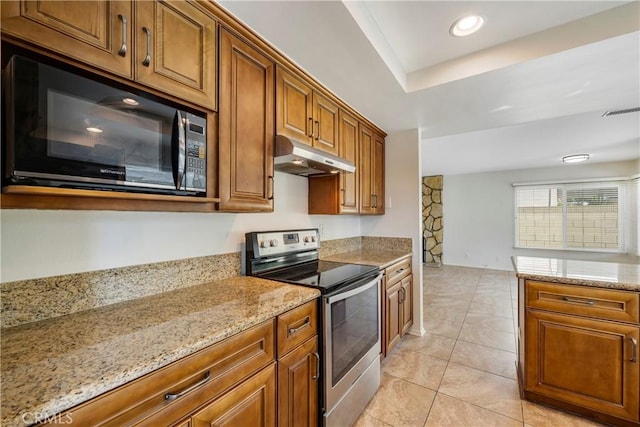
[351, 336]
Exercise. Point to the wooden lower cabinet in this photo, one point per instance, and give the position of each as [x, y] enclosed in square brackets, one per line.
[576, 357]
[244, 380]
[298, 382]
[397, 303]
[253, 403]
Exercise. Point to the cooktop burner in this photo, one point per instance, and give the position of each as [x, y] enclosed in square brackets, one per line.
[321, 274]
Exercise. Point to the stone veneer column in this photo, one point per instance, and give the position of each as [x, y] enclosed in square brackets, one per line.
[432, 226]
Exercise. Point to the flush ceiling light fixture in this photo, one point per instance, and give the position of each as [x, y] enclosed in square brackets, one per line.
[575, 158]
[466, 25]
[94, 129]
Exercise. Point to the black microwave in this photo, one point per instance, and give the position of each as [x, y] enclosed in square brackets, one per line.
[67, 130]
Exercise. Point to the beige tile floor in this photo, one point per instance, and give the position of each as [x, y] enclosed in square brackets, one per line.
[462, 371]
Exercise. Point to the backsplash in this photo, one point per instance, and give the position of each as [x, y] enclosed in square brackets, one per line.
[25, 301]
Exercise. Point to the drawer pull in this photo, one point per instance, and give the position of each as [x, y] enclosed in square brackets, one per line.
[147, 59]
[400, 271]
[307, 322]
[579, 301]
[634, 348]
[174, 396]
[123, 48]
[317, 374]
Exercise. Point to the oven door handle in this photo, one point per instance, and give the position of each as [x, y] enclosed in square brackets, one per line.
[340, 294]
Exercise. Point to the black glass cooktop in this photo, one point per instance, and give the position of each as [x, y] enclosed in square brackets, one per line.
[323, 275]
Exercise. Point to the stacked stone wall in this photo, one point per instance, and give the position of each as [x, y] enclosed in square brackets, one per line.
[432, 221]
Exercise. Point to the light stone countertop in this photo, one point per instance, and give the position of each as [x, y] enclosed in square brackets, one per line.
[52, 365]
[378, 257]
[575, 272]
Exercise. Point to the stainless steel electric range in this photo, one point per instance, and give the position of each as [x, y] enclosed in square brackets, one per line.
[350, 315]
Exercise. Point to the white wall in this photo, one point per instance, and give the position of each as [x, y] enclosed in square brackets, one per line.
[403, 195]
[41, 243]
[478, 213]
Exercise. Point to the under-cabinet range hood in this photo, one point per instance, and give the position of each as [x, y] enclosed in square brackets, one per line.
[301, 159]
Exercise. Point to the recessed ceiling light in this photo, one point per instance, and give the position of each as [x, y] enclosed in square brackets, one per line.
[466, 25]
[94, 129]
[575, 158]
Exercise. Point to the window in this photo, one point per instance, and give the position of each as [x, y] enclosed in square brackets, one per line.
[579, 216]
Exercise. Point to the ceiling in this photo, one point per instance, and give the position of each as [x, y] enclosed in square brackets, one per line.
[528, 88]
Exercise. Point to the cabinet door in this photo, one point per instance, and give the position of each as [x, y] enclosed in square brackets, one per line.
[246, 127]
[93, 32]
[298, 376]
[406, 309]
[585, 362]
[348, 144]
[252, 403]
[325, 116]
[392, 310]
[176, 50]
[367, 186]
[378, 174]
[294, 107]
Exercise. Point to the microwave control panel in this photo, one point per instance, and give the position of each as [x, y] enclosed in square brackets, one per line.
[196, 170]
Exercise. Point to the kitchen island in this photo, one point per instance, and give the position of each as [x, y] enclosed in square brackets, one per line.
[52, 365]
[578, 333]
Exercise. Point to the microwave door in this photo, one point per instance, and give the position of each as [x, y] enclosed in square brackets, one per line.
[179, 149]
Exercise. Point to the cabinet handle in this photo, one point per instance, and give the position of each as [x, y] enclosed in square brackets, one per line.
[123, 47]
[174, 396]
[310, 127]
[317, 130]
[402, 296]
[579, 301]
[342, 197]
[147, 59]
[317, 374]
[634, 348]
[307, 322]
[271, 186]
[374, 205]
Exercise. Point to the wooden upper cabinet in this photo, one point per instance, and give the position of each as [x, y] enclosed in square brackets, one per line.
[325, 123]
[348, 137]
[371, 164]
[93, 32]
[169, 46]
[176, 50]
[366, 169]
[378, 174]
[305, 114]
[294, 107]
[246, 135]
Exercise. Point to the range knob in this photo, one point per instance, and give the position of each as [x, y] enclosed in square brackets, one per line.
[263, 244]
[307, 239]
[313, 238]
[273, 243]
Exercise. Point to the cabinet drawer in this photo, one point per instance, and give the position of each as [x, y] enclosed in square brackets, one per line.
[398, 270]
[600, 303]
[296, 326]
[203, 375]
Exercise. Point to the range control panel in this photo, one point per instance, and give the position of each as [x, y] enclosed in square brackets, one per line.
[282, 242]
